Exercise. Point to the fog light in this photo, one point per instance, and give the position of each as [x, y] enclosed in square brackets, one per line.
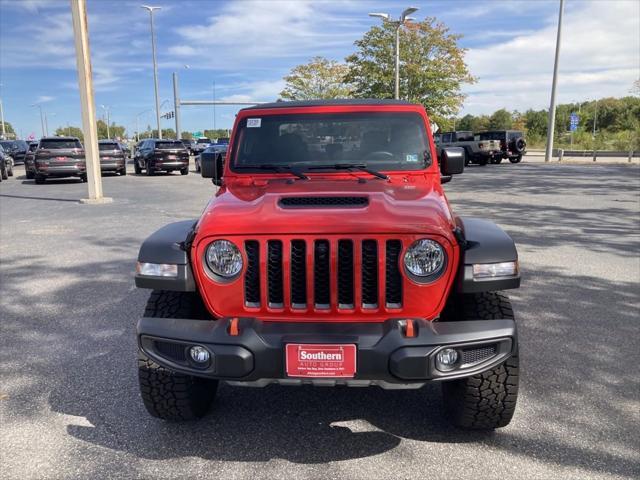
[446, 359]
[199, 354]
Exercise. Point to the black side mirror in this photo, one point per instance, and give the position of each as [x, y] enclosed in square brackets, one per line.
[212, 166]
[452, 161]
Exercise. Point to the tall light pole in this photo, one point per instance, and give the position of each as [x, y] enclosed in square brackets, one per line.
[46, 122]
[155, 65]
[404, 18]
[4, 133]
[106, 111]
[552, 107]
[137, 121]
[41, 118]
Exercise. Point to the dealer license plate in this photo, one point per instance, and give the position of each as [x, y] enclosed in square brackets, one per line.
[320, 361]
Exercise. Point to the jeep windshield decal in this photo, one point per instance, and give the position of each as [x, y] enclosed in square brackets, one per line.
[366, 141]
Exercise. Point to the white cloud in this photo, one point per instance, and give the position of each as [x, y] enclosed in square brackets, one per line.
[260, 31]
[600, 56]
[44, 99]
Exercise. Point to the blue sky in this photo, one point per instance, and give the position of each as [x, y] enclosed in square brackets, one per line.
[247, 46]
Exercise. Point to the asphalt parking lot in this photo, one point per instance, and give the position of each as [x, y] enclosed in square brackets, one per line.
[69, 402]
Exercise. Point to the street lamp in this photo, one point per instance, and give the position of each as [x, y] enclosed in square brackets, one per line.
[4, 133]
[46, 121]
[404, 18]
[552, 107]
[106, 110]
[41, 118]
[137, 122]
[155, 65]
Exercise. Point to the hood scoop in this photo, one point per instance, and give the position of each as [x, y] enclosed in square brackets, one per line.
[324, 202]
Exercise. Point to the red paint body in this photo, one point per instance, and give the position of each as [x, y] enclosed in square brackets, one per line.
[410, 206]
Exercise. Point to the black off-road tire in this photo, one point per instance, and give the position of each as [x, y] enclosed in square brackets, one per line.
[166, 394]
[482, 161]
[136, 167]
[517, 159]
[184, 171]
[487, 400]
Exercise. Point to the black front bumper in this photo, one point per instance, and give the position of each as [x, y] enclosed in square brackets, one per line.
[384, 354]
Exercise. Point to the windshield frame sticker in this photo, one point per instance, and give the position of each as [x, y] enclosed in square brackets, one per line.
[254, 122]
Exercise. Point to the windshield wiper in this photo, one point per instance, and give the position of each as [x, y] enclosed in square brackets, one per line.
[351, 166]
[275, 168]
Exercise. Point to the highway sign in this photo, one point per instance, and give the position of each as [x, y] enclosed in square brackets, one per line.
[574, 119]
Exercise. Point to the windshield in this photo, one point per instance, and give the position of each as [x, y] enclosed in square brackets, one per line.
[59, 144]
[169, 145]
[7, 145]
[108, 146]
[381, 140]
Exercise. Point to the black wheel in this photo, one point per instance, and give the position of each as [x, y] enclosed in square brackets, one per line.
[166, 394]
[487, 400]
[40, 179]
[10, 170]
[184, 171]
[83, 178]
[150, 171]
[517, 159]
[497, 160]
[123, 172]
[197, 162]
[482, 161]
[136, 167]
[3, 172]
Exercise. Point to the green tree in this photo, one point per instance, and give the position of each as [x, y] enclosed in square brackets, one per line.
[217, 133]
[8, 128]
[319, 79]
[115, 131]
[167, 133]
[70, 132]
[432, 70]
[500, 120]
[186, 136]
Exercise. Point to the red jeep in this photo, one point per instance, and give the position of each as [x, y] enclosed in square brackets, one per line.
[330, 256]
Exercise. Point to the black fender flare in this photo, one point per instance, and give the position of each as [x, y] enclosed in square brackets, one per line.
[169, 245]
[483, 241]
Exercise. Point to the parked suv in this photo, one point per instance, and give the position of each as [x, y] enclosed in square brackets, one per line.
[480, 152]
[154, 155]
[16, 149]
[58, 157]
[7, 164]
[29, 160]
[200, 145]
[512, 144]
[112, 157]
[330, 259]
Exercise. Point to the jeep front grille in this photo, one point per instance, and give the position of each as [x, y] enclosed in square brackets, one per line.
[323, 274]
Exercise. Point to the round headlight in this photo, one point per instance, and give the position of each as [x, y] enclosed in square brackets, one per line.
[224, 258]
[424, 257]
